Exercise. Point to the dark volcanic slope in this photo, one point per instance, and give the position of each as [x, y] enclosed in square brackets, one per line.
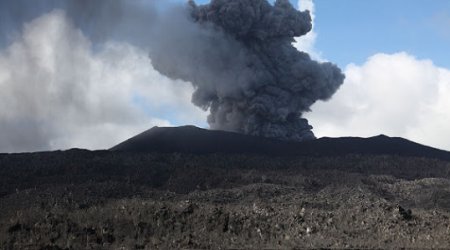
[190, 139]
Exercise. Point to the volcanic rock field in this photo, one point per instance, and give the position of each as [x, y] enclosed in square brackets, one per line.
[378, 192]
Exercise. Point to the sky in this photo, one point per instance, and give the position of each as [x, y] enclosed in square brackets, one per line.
[64, 85]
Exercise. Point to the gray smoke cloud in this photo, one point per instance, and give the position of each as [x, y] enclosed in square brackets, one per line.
[70, 69]
[100, 20]
[238, 54]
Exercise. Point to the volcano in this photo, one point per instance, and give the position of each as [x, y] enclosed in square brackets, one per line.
[194, 140]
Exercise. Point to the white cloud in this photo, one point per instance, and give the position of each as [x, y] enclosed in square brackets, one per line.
[59, 92]
[307, 42]
[395, 94]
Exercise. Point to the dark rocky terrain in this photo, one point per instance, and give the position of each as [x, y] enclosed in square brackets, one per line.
[187, 188]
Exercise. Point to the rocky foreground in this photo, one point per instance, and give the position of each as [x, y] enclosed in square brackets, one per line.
[79, 199]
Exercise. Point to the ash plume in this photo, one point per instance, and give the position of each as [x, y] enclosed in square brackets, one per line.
[87, 60]
[239, 56]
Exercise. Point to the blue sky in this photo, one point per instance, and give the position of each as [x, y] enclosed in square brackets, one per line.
[352, 30]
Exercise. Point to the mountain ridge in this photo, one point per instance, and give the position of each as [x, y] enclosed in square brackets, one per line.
[191, 139]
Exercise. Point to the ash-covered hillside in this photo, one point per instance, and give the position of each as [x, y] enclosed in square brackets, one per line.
[192, 188]
[190, 139]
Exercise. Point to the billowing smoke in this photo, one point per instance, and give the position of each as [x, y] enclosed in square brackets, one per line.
[72, 70]
[238, 54]
[100, 20]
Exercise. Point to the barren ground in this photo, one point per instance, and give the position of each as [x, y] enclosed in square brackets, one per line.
[107, 200]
